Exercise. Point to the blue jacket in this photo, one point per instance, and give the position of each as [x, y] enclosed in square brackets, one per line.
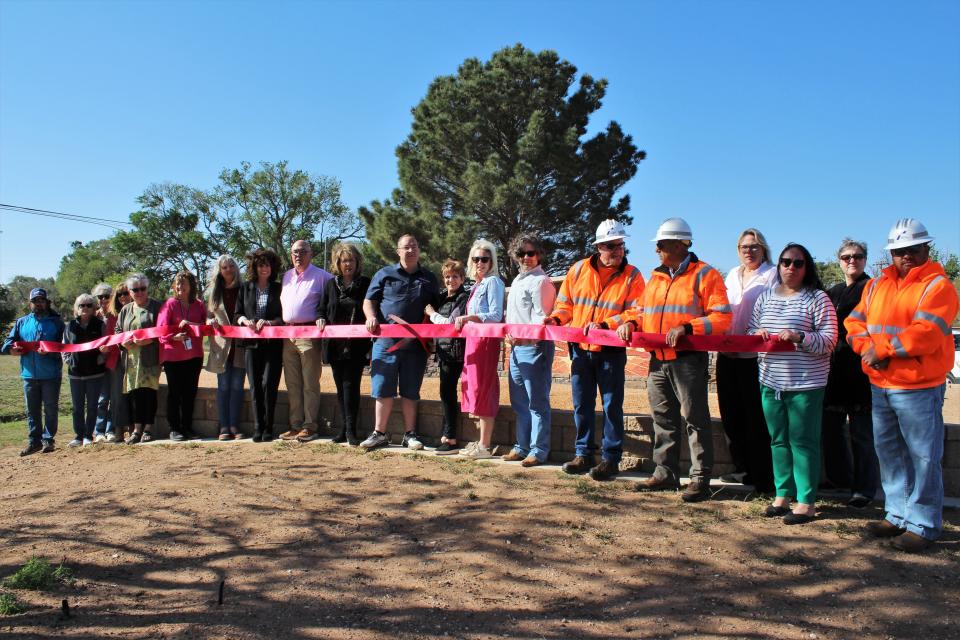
[28, 328]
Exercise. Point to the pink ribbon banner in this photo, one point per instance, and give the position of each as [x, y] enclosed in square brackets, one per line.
[601, 337]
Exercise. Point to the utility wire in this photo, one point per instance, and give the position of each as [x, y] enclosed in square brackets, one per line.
[104, 222]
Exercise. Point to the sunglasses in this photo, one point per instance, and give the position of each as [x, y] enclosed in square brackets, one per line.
[798, 263]
[915, 250]
[611, 246]
[85, 305]
[850, 257]
[120, 294]
[137, 289]
[525, 254]
[103, 297]
[483, 259]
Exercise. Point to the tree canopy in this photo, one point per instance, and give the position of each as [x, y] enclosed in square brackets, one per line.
[500, 148]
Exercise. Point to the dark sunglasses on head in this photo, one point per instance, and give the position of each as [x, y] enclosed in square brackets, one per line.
[85, 305]
[849, 257]
[611, 246]
[913, 251]
[525, 254]
[137, 289]
[483, 259]
[797, 263]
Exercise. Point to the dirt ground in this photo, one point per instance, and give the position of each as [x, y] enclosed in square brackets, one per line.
[319, 541]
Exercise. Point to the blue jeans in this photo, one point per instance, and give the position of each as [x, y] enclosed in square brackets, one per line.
[908, 434]
[230, 395]
[85, 394]
[531, 375]
[104, 422]
[588, 371]
[404, 367]
[43, 402]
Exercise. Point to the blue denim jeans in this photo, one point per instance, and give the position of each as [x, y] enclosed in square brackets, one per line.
[590, 370]
[230, 395]
[908, 434]
[531, 375]
[84, 394]
[104, 422]
[43, 402]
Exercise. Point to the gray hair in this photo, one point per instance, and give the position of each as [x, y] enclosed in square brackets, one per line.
[761, 240]
[482, 245]
[135, 278]
[82, 298]
[102, 289]
[850, 242]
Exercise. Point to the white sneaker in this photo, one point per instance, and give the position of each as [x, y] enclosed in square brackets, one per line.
[99, 438]
[87, 442]
[477, 453]
[411, 441]
[111, 438]
[76, 442]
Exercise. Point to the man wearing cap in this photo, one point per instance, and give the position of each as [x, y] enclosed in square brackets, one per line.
[41, 372]
[901, 329]
[302, 365]
[599, 292]
[684, 297]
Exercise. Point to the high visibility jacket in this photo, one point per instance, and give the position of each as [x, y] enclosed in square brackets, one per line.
[695, 296]
[908, 321]
[583, 298]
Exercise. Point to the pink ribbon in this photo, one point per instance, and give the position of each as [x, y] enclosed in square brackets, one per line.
[601, 337]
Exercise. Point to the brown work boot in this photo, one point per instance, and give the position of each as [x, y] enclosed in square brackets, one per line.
[657, 484]
[606, 470]
[290, 435]
[579, 465]
[513, 456]
[910, 542]
[530, 461]
[697, 491]
[883, 529]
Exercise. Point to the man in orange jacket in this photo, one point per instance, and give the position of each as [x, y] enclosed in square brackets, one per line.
[901, 329]
[684, 297]
[599, 292]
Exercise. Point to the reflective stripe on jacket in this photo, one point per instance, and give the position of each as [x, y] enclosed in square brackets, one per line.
[584, 299]
[695, 295]
[908, 321]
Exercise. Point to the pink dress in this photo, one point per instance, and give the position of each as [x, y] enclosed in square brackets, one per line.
[480, 380]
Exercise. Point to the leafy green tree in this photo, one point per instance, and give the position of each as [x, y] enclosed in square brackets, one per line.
[274, 206]
[948, 260]
[500, 148]
[16, 295]
[830, 273]
[90, 264]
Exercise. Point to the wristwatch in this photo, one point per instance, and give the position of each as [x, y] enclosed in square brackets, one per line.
[802, 336]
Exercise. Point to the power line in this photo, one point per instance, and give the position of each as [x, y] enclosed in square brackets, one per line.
[104, 222]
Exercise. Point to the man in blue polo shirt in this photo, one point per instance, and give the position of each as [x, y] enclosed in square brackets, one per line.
[399, 292]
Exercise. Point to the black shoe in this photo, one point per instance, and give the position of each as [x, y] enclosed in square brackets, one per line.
[578, 466]
[340, 438]
[48, 446]
[268, 436]
[352, 438]
[258, 436]
[798, 518]
[775, 512]
[190, 434]
[657, 484]
[176, 436]
[859, 502]
[737, 477]
[606, 470]
[697, 491]
[30, 449]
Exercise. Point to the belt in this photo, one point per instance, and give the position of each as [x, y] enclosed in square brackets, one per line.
[301, 324]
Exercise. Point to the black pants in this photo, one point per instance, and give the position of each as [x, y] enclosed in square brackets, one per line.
[264, 365]
[449, 381]
[142, 406]
[738, 394]
[849, 457]
[346, 375]
[183, 376]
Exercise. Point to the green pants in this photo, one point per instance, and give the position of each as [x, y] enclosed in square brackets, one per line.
[793, 420]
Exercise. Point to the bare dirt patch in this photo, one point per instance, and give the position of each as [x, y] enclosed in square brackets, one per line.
[317, 541]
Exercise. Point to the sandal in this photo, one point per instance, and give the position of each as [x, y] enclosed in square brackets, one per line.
[146, 437]
[225, 436]
[134, 437]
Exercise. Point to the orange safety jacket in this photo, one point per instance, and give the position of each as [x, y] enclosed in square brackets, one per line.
[695, 296]
[584, 299]
[908, 321]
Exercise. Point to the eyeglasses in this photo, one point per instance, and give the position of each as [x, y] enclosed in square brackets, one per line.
[300, 252]
[850, 257]
[483, 259]
[137, 289]
[750, 247]
[913, 251]
[103, 296]
[610, 246]
[525, 254]
[798, 263]
[122, 294]
[85, 305]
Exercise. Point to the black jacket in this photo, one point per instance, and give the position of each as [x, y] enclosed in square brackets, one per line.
[848, 387]
[451, 306]
[329, 303]
[247, 307]
[85, 364]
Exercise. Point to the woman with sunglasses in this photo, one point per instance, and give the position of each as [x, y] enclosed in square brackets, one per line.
[140, 359]
[105, 429]
[849, 457]
[792, 383]
[85, 369]
[480, 381]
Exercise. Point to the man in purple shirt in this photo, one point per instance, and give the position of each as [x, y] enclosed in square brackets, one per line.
[302, 289]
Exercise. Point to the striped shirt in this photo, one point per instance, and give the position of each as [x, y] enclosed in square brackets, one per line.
[810, 312]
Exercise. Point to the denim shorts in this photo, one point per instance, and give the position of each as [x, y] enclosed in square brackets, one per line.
[404, 366]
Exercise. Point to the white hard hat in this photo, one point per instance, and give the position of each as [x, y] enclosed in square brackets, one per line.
[674, 229]
[906, 233]
[610, 230]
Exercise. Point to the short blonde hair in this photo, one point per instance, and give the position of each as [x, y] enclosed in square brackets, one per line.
[482, 245]
[345, 248]
[761, 240]
[81, 299]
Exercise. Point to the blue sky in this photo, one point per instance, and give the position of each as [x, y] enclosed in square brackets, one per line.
[811, 121]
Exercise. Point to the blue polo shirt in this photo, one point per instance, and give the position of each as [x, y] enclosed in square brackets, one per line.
[403, 294]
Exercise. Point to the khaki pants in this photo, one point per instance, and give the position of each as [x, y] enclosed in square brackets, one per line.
[302, 367]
